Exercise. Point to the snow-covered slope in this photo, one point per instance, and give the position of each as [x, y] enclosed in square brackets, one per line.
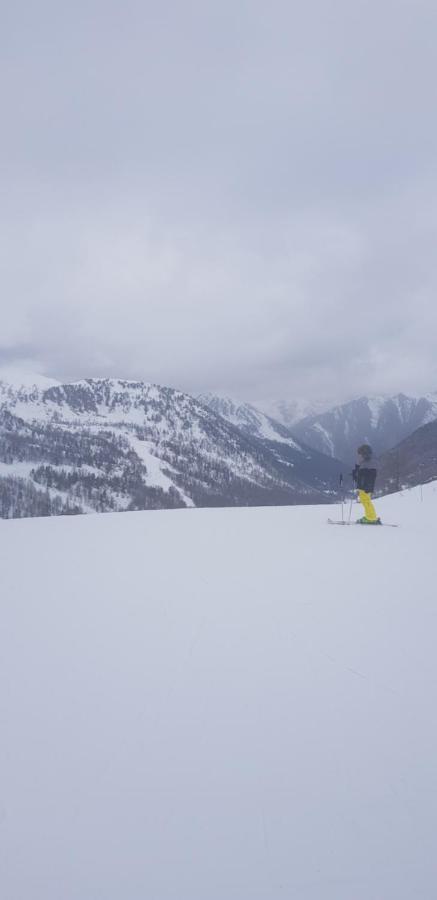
[382, 421]
[24, 378]
[22, 387]
[212, 704]
[249, 419]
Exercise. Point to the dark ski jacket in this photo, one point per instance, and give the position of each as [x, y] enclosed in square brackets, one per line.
[364, 474]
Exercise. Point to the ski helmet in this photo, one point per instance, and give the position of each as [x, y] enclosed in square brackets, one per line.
[365, 451]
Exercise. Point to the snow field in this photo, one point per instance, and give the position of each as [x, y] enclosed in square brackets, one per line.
[221, 704]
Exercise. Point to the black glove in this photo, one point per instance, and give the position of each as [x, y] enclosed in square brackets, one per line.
[354, 473]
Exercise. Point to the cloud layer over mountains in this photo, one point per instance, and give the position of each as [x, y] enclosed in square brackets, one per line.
[220, 197]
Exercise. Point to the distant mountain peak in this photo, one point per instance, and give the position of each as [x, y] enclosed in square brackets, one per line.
[381, 420]
[288, 412]
[248, 418]
[19, 379]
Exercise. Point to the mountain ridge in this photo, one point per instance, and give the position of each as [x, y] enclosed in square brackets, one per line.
[152, 447]
[411, 462]
[383, 422]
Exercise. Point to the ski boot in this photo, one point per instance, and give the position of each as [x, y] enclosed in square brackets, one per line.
[365, 521]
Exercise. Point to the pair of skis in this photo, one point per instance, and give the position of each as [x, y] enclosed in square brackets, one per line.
[340, 522]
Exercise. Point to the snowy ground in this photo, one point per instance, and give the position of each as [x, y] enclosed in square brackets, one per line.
[219, 705]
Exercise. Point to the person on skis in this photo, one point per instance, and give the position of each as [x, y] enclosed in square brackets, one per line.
[364, 476]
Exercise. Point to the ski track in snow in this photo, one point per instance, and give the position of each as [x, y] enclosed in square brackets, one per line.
[155, 476]
[219, 704]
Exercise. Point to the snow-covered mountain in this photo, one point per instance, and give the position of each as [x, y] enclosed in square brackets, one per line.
[249, 419]
[288, 412]
[413, 461]
[382, 421]
[17, 386]
[103, 444]
[216, 704]
[306, 463]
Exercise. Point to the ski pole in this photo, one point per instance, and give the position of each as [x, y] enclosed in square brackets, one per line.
[352, 500]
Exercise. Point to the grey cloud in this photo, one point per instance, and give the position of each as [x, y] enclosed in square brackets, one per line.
[222, 196]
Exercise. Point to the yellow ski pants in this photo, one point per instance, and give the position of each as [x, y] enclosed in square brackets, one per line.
[369, 509]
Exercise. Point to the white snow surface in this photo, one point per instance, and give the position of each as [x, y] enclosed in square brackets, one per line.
[23, 378]
[219, 704]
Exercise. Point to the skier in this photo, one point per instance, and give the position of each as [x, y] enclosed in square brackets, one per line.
[364, 476]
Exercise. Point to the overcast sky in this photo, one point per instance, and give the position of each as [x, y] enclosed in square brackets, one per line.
[215, 195]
